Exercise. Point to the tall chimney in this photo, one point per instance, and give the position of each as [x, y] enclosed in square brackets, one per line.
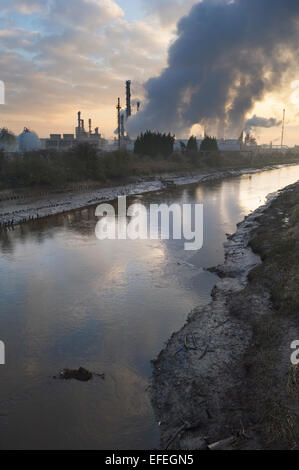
[89, 122]
[82, 124]
[128, 94]
[79, 120]
[118, 107]
[122, 125]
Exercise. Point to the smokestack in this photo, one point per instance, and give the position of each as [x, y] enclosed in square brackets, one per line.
[122, 126]
[118, 107]
[89, 122]
[82, 124]
[79, 120]
[128, 94]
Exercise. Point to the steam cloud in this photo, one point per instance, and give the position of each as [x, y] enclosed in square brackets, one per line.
[257, 121]
[228, 54]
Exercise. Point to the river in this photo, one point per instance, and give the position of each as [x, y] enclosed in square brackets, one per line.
[70, 300]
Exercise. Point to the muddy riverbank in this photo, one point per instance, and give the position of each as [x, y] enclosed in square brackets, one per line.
[26, 207]
[227, 373]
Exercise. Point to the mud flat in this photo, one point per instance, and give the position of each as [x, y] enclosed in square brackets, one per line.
[226, 377]
[17, 211]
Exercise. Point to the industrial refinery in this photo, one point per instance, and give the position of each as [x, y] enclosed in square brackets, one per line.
[62, 142]
[28, 140]
[65, 141]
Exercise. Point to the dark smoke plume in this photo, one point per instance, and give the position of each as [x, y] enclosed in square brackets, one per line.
[257, 121]
[228, 54]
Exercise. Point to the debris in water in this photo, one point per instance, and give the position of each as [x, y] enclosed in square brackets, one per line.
[81, 374]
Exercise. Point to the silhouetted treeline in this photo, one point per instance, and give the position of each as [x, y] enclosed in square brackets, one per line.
[154, 144]
[209, 144]
[192, 145]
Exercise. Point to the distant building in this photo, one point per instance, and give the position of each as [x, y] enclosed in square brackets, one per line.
[229, 145]
[67, 141]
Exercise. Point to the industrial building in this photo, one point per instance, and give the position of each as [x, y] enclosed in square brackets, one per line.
[67, 141]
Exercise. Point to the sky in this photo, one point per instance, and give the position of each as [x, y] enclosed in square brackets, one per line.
[59, 57]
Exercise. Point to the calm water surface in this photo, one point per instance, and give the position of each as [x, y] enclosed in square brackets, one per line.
[69, 300]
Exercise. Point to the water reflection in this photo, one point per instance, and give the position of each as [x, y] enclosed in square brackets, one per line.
[69, 300]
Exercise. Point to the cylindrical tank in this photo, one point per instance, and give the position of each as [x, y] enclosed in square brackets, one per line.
[28, 140]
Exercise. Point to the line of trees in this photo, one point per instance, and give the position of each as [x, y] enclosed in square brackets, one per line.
[192, 145]
[154, 144]
[209, 144]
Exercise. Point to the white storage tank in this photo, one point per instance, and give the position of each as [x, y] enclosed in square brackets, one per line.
[28, 140]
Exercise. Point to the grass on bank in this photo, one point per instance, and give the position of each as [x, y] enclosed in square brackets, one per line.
[53, 169]
[277, 242]
[272, 388]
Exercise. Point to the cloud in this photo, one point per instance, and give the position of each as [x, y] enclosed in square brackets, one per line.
[57, 57]
[257, 121]
[228, 55]
[17, 38]
[78, 56]
[24, 7]
[168, 11]
[83, 14]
